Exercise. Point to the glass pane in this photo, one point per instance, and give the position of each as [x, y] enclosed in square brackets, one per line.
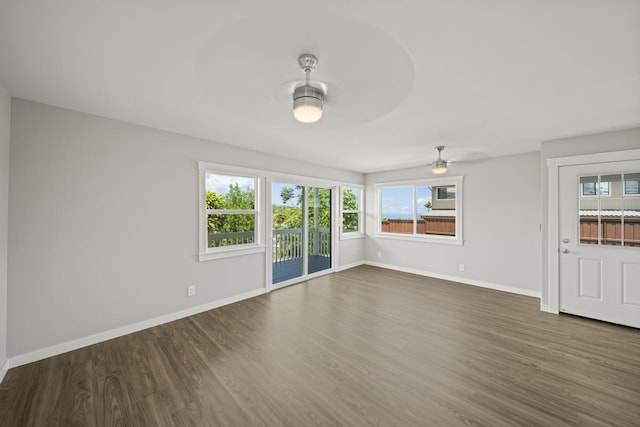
[611, 185]
[397, 210]
[424, 201]
[230, 192]
[610, 221]
[287, 236]
[319, 214]
[424, 205]
[350, 222]
[446, 193]
[440, 220]
[588, 186]
[632, 221]
[631, 184]
[350, 200]
[631, 187]
[589, 218]
[230, 229]
[611, 210]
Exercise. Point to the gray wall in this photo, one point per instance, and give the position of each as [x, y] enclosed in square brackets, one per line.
[104, 225]
[627, 139]
[501, 225]
[5, 134]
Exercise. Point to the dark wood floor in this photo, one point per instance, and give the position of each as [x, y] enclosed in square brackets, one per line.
[362, 347]
[290, 269]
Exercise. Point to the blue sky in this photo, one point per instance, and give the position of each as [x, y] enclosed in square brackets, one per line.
[220, 183]
[398, 201]
[275, 193]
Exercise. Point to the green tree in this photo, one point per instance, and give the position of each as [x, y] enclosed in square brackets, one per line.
[349, 200]
[289, 214]
[214, 201]
[349, 203]
[319, 198]
[235, 199]
[286, 195]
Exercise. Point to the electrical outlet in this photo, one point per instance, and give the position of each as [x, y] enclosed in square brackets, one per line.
[379, 254]
[461, 267]
[191, 290]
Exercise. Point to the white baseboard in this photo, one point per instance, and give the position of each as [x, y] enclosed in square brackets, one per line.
[348, 266]
[4, 369]
[54, 350]
[458, 279]
[546, 308]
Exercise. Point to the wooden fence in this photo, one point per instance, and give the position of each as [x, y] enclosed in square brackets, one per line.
[610, 231]
[438, 226]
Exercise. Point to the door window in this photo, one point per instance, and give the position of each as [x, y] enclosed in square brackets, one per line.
[609, 210]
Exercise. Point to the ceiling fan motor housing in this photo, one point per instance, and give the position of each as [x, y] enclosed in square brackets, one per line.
[307, 95]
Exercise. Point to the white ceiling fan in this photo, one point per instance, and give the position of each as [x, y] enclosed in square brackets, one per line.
[439, 166]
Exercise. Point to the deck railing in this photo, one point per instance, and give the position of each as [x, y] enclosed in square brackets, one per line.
[286, 244]
[228, 239]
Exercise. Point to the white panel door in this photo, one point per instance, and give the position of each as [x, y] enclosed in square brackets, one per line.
[599, 244]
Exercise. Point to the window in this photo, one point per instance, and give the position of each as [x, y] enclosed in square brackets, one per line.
[611, 218]
[351, 210]
[446, 193]
[632, 184]
[589, 186]
[425, 210]
[229, 214]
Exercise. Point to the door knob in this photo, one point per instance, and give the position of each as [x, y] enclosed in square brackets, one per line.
[565, 240]
[565, 251]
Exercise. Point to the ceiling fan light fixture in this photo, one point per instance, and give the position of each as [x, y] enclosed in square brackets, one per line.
[307, 104]
[439, 166]
[307, 100]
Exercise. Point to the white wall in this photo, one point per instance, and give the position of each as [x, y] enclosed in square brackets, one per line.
[351, 252]
[501, 226]
[627, 139]
[104, 228]
[5, 124]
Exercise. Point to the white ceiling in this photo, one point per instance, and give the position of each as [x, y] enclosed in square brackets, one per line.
[485, 78]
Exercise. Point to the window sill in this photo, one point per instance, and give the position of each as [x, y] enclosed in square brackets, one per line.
[229, 253]
[351, 236]
[426, 239]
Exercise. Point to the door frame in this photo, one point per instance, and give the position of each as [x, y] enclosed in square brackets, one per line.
[553, 213]
[307, 182]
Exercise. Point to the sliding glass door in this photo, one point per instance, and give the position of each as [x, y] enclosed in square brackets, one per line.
[319, 229]
[300, 233]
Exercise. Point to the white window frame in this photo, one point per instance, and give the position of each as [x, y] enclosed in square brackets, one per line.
[205, 252]
[458, 239]
[358, 234]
